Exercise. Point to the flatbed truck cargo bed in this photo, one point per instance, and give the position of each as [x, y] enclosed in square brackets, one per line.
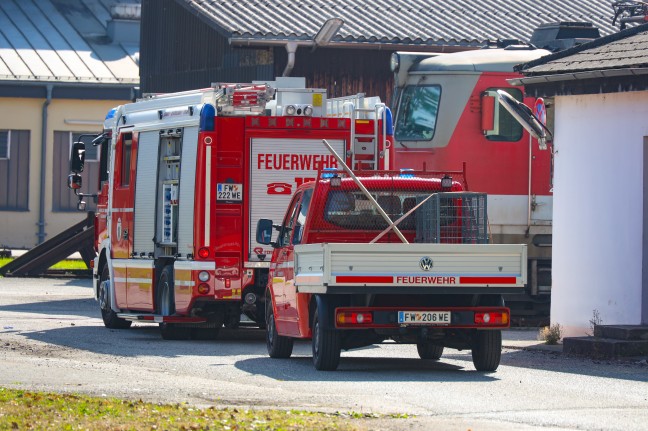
[398, 268]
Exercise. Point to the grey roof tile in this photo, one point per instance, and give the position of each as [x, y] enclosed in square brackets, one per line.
[413, 22]
[626, 49]
[62, 41]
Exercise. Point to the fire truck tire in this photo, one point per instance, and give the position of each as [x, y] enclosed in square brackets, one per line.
[326, 346]
[278, 346]
[166, 299]
[109, 317]
[166, 307]
[429, 351]
[487, 350]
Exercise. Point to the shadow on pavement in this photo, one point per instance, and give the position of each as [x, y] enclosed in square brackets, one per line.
[86, 307]
[364, 369]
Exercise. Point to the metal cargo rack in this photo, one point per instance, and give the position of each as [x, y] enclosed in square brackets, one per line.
[453, 218]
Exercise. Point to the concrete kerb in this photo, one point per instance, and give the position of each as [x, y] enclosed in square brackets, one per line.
[527, 339]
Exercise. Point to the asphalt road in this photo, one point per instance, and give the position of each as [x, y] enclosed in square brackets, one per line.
[52, 339]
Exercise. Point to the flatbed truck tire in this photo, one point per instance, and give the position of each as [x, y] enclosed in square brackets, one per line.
[109, 317]
[487, 350]
[279, 347]
[429, 351]
[326, 346]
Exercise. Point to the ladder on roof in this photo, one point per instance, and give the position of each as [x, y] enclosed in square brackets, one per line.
[237, 98]
[229, 98]
[366, 148]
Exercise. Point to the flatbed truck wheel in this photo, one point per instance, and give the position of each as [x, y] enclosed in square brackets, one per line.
[326, 346]
[487, 350]
[109, 317]
[429, 351]
[278, 346]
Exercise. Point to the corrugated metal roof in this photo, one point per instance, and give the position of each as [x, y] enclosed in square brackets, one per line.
[399, 22]
[63, 41]
[624, 50]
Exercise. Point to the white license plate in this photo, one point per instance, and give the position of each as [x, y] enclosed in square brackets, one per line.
[229, 192]
[424, 317]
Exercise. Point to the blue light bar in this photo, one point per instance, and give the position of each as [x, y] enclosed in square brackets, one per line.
[389, 122]
[207, 114]
[111, 114]
[406, 173]
[329, 172]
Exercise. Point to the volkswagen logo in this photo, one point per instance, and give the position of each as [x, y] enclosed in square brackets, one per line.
[425, 263]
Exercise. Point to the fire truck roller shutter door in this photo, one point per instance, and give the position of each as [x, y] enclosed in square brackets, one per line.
[145, 192]
[187, 190]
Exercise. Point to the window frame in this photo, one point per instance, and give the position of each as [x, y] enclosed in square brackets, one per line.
[125, 165]
[14, 188]
[518, 95]
[404, 95]
[8, 157]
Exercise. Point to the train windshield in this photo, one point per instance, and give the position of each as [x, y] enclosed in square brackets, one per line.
[417, 113]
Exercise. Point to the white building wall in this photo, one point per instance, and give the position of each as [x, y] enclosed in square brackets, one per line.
[598, 210]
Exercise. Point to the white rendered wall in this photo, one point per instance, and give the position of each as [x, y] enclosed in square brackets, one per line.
[598, 210]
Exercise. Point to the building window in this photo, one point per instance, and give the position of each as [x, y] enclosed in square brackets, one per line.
[64, 199]
[14, 170]
[4, 144]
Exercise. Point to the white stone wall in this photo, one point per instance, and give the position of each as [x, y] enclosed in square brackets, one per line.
[598, 210]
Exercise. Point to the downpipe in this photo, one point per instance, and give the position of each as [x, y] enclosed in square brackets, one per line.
[291, 49]
[43, 162]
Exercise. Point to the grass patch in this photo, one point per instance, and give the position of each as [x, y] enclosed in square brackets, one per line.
[551, 334]
[71, 264]
[25, 410]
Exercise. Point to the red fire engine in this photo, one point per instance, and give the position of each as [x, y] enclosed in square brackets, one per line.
[185, 178]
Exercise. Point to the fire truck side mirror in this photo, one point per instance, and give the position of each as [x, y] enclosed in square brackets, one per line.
[77, 158]
[74, 181]
[264, 231]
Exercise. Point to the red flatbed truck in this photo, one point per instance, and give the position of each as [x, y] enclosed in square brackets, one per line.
[408, 259]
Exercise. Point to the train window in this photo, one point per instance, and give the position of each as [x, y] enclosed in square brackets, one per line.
[504, 127]
[417, 113]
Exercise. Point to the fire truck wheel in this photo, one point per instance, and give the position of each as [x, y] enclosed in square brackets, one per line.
[166, 300]
[109, 317]
[278, 346]
[326, 346]
[487, 350]
[429, 351]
